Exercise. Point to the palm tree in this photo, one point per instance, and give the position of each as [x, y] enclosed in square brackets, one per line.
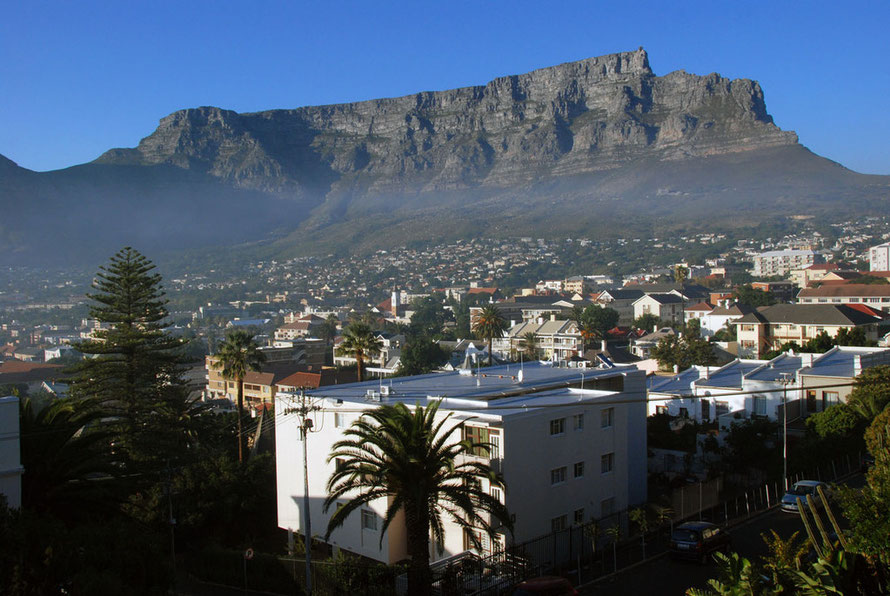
[408, 459]
[530, 344]
[487, 324]
[360, 342]
[328, 330]
[237, 355]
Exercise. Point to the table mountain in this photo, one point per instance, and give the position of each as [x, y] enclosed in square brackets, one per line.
[581, 147]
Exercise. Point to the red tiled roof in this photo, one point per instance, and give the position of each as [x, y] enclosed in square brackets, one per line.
[823, 267]
[302, 379]
[869, 310]
[701, 306]
[482, 290]
[19, 366]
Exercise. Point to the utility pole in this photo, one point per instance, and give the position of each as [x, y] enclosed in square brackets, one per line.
[785, 381]
[305, 428]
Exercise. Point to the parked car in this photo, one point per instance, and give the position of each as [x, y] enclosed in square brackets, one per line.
[698, 540]
[546, 585]
[802, 489]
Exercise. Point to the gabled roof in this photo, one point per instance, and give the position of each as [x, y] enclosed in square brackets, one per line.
[823, 267]
[736, 310]
[662, 298]
[841, 361]
[731, 374]
[700, 307]
[846, 290]
[624, 294]
[810, 314]
[680, 383]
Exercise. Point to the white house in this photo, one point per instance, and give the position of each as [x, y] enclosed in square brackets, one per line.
[667, 307]
[10, 452]
[570, 443]
[879, 257]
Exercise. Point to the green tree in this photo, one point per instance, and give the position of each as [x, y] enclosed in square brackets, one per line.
[593, 322]
[238, 355]
[683, 352]
[871, 392]
[489, 324]
[429, 317]
[421, 355]
[359, 342]
[853, 337]
[530, 345]
[328, 329]
[753, 297]
[680, 273]
[819, 344]
[135, 373]
[411, 459]
[647, 322]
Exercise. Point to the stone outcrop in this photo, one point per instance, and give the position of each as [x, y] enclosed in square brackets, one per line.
[574, 118]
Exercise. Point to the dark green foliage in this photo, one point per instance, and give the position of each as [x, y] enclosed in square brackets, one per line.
[421, 355]
[361, 342]
[871, 394]
[265, 572]
[819, 344]
[238, 355]
[489, 324]
[71, 470]
[683, 352]
[215, 500]
[405, 456]
[40, 555]
[661, 436]
[135, 374]
[593, 321]
[648, 322]
[836, 430]
[852, 337]
[429, 317]
[752, 297]
[754, 443]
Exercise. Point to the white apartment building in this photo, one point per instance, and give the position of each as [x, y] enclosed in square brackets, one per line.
[781, 262]
[570, 444]
[879, 257]
[557, 339]
[877, 296]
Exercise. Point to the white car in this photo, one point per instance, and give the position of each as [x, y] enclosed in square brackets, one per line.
[802, 489]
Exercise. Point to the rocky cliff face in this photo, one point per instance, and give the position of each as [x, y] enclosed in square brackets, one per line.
[574, 118]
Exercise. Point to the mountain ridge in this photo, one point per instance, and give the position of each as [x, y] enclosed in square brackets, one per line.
[577, 144]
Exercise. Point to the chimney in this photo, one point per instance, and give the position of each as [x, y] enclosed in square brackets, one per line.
[553, 316]
[857, 365]
[603, 345]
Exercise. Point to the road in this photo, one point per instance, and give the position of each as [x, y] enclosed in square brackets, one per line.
[664, 576]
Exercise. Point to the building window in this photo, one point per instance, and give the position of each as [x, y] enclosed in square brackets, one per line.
[579, 516]
[497, 494]
[558, 523]
[829, 398]
[558, 426]
[369, 520]
[760, 405]
[721, 407]
[607, 463]
[339, 420]
[661, 409]
[607, 418]
[607, 507]
[558, 476]
[478, 434]
[579, 469]
[579, 421]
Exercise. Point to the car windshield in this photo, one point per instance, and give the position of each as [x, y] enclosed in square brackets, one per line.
[800, 490]
[683, 535]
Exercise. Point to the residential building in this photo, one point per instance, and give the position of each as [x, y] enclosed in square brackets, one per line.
[667, 307]
[557, 339]
[11, 469]
[782, 262]
[838, 366]
[574, 285]
[561, 465]
[807, 276]
[782, 290]
[876, 296]
[390, 350]
[769, 328]
[673, 395]
[879, 257]
[30, 374]
[722, 318]
[298, 328]
[697, 311]
[621, 301]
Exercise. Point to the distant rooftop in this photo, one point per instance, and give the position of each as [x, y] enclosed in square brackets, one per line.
[731, 374]
[841, 361]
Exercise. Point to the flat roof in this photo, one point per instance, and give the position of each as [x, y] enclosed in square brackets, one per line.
[731, 374]
[541, 384]
[840, 361]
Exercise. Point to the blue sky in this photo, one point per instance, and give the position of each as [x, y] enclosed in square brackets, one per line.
[78, 78]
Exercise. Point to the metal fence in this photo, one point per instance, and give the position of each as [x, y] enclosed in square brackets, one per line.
[598, 548]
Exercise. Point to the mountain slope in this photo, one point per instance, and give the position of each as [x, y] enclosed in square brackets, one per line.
[587, 146]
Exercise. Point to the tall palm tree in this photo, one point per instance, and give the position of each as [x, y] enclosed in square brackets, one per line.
[360, 342]
[530, 345]
[407, 458]
[237, 355]
[487, 324]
